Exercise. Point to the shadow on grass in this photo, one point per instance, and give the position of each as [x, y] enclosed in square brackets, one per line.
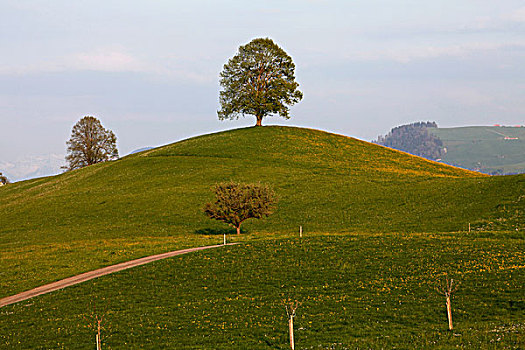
[218, 231]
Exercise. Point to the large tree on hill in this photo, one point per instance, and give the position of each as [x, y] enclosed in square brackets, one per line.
[259, 80]
[236, 203]
[90, 143]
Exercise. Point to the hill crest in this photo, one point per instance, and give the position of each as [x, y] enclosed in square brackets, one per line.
[306, 146]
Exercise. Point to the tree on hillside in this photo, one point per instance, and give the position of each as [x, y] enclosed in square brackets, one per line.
[414, 139]
[259, 80]
[89, 144]
[236, 203]
[3, 180]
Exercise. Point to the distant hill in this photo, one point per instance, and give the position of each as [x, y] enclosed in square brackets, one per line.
[488, 149]
[141, 150]
[32, 167]
[415, 139]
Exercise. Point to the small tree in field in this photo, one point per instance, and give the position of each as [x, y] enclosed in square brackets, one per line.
[236, 203]
[291, 307]
[447, 287]
[95, 321]
[90, 143]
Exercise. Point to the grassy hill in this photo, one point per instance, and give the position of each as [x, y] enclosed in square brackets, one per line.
[375, 243]
[152, 201]
[489, 149]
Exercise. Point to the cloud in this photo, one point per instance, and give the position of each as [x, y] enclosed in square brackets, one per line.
[105, 61]
[412, 53]
[120, 61]
[518, 15]
[469, 96]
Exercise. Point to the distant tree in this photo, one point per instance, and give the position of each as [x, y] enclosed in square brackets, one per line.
[236, 203]
[414, 139]
[3, 180]
[259, 80]
[89, 144]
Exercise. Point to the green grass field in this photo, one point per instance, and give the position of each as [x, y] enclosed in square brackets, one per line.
[369, 291]
[152, 202]
[381, 227]
[490, 149]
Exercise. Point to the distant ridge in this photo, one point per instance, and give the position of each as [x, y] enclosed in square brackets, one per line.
[31, 167]
[141, 150]
[494, 150]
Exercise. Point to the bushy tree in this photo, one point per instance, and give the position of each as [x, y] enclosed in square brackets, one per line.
[3, 180]
[236, 203]
[90, 143]
[259, 80]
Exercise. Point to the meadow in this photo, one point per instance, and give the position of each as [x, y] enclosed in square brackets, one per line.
[151, 202]
[381, 229]
[488, 148]
[368, 291]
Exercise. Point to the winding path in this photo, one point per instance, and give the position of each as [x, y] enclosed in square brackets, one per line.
[70, 281]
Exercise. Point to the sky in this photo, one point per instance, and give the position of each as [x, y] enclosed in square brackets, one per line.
[149, 70]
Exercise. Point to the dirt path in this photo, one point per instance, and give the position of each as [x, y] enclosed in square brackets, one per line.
[94, 274]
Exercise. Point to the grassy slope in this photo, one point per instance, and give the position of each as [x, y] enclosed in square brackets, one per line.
[151, 202]
[365, 291]
[484, 147]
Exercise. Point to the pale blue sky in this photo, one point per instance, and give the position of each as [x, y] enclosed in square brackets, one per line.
[149, 69]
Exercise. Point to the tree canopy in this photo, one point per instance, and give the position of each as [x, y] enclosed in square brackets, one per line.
[414, 139]
[236, 203]
[3, 180]
[259, 80]
[90, 143]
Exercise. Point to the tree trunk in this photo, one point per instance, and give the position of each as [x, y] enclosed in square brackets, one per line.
[239, 229]
[449, 314]
[290, 324]
[259, 120]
